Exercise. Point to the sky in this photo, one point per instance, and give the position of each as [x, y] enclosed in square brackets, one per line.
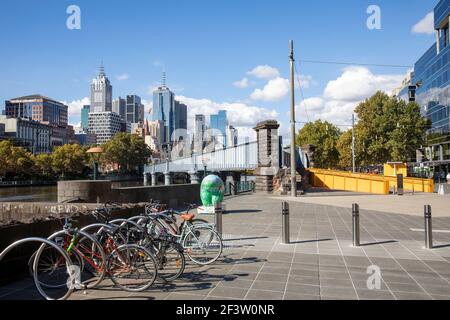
[221, 54]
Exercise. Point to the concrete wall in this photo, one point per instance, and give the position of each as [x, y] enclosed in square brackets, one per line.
[27, 212]
[87, 190]
[173, 195]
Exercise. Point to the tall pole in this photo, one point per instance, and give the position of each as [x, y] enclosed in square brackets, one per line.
[353, 143]
[293, 151]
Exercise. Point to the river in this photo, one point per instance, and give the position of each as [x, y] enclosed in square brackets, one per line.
[44, 193]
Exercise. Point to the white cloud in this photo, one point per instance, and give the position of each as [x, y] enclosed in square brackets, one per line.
[239, 114]
[306, 81]
[264, 72]
[357, 83]
[341, 96]
[123, 77]
[75, 106]
[426, 25]
[242, 84]
[274, 90]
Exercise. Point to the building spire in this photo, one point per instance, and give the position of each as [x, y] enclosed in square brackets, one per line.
[102, 69]
[164, 78]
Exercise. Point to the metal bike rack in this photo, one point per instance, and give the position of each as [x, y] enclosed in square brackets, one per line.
[355, 225]
[285, 223]
[428, 227]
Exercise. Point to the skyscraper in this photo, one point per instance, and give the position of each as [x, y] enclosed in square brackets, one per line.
[163, 110]
[119, 106]
[199, 131]
[85, 117]
[219, 124]
[232, 136]
[101, 93]
[180, 115]
[135, 110]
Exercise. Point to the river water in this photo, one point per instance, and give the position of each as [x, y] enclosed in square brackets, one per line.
[44, 193]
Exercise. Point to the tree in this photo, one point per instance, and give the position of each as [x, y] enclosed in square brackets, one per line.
[344, 147]
[324, 136]
[43, 164]
[69, 159]
[129, 151]
[14, 161]
[388, 129]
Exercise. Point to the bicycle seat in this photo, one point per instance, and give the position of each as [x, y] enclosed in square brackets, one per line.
[187, 217]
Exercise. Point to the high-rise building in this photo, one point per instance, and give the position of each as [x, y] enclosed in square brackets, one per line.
[218, 125]
[199, 132]
[156, 129]
[232, 136]
[432, 82]
[38, 108]
[180, 115]
[119, 106]
[163, 110]
[134, 110]
[101, 93]
[85, 117]
[105, 125]
[30, 134]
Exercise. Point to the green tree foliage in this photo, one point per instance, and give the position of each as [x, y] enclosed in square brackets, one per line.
[14, 161]
[344, 145]
[129, 151]
[43, 164]
[69, 159]
[388, 129]
[324, 136]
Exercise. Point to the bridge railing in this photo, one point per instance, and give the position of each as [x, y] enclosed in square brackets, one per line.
[240, 157]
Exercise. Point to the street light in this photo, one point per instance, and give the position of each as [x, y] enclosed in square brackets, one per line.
[96, 152]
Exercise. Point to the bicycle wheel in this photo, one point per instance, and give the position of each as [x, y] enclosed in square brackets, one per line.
[171, 261]
[63, 267]
[203, 245]
[132, 268]
[79, 243]
[49, 260]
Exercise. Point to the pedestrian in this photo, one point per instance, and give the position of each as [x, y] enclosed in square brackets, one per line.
[448, 178]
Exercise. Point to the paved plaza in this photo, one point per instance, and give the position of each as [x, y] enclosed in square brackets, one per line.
[320, 263]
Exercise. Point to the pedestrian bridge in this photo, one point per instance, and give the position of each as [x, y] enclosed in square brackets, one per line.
[236, 158]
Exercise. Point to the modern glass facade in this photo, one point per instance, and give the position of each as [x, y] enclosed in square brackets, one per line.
[85, 117]
[163, 110]
[134, 110]
[219, 122]
[431, 78]
[119, 106]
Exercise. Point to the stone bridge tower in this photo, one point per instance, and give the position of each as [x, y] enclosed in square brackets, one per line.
[268, 155]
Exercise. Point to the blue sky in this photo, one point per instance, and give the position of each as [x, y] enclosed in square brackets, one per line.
[205, 47]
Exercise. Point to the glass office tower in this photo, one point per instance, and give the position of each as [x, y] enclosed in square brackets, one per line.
[163, 110]
[219, 122]
[431, 79]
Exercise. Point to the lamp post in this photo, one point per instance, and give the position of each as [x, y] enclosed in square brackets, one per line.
[96, 152]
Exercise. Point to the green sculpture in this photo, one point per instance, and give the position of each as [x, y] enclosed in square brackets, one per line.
[212, 190]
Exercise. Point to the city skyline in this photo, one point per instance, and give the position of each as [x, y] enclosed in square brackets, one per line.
[252, 86]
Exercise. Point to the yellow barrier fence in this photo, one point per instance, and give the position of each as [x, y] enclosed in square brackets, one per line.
[357, 182]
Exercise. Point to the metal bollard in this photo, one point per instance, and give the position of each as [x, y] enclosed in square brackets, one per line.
[428, 228]
[285, 222]
[400, 190]
[355, 222]
[218, 217]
